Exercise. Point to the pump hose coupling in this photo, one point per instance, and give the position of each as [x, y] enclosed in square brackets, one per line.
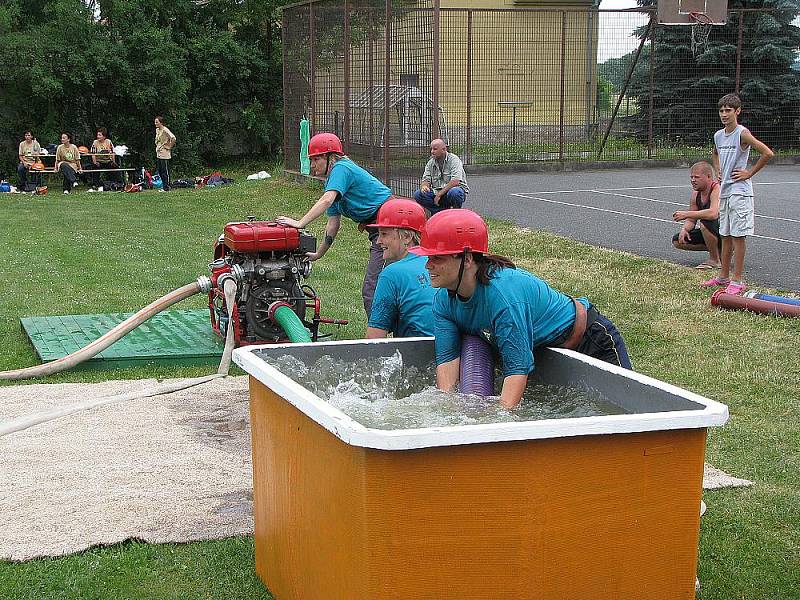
[204, 283]
[236, 273]
[274, 307]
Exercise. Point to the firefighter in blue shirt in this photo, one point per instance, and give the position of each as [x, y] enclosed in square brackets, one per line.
[403, 297]
[515, 311]
[350, 191]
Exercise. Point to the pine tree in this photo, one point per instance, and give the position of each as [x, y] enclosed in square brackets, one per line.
[686, 88]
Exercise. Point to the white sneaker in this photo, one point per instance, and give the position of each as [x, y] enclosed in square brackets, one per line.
[66, 191]
[91, 190]
[74, 184]
[100, 189]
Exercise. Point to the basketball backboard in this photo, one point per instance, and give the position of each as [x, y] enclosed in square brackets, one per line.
[677, 12]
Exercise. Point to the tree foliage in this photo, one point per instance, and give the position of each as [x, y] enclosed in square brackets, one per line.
[686, 89]
[211, 67]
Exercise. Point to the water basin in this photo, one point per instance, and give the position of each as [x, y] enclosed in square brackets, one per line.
[603, 506]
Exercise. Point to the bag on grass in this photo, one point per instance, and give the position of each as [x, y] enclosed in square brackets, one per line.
[183, 183]
[112, 186]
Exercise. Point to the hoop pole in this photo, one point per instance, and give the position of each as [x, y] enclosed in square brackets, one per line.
[625, 87]
[739, 53]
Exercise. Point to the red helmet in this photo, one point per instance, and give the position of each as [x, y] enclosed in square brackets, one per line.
[37, 166]
[453, 231]
[402, 213]
[322, 143]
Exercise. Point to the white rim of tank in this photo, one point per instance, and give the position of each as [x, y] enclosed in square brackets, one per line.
[352, 432]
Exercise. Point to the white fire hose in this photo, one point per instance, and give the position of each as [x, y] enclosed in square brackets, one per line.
[203, 284]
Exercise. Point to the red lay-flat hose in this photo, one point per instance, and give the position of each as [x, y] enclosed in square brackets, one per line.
[103, 342]
[764, 307]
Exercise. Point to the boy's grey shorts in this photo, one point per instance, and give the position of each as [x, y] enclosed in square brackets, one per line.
[736, 216]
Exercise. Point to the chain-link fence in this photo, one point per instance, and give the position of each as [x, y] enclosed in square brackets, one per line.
[525, 85]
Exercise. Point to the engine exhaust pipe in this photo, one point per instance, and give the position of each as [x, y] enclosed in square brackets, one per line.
[202, 284]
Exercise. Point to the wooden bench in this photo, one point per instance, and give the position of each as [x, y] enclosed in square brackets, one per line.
[33, 172]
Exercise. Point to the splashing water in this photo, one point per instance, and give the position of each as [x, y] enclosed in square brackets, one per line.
[384, 393]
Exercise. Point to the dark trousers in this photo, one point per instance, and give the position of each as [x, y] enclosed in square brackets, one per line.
[454, 198]
[22, 176]
[70, 177]
[374, 268]
[603, 340]
[95, 178]
[163, 171]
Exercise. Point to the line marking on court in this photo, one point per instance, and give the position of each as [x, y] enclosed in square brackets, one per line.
[650, 187]
[605, 193]
[628, 214]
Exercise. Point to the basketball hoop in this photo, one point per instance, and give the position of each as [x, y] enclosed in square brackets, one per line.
[701, 29]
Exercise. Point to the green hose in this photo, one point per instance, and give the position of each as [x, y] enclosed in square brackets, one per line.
[292, 325]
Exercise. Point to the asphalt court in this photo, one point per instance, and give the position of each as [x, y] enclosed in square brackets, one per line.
[631, 210]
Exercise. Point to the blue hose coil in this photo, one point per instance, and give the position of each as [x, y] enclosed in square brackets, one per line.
[779, 299]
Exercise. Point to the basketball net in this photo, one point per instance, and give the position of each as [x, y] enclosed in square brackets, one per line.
[701, 29]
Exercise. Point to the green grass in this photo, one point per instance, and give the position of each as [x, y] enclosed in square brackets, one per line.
[88, 253]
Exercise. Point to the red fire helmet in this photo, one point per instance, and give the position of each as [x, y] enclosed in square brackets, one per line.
[453, 231]
[402, 213]
[322, 143]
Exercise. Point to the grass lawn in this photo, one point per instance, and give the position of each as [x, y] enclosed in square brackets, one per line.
[96, 253]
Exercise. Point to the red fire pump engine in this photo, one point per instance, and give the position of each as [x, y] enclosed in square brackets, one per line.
[268, 261]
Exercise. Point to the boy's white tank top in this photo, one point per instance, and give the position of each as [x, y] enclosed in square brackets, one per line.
[731, 157]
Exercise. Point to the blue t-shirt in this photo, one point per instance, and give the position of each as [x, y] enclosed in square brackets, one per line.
[403, 298]
[515, 311]
[360, 194]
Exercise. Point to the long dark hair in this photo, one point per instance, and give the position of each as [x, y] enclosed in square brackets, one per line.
[488, 264]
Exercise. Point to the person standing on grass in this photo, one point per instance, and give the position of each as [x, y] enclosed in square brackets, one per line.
[514, 311]
[444, 183]
[29, 150]
[165, 140]
[732, 146]
[700, 231]
[403, 296]
[68, 162]
[350, 191]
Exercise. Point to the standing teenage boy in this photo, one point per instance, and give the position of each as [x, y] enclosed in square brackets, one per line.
[732, 146]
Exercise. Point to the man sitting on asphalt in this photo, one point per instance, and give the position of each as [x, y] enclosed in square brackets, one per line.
[444, 183]
[403, 297]
[703, 208]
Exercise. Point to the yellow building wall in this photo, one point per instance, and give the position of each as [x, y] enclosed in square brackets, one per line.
[516, 57]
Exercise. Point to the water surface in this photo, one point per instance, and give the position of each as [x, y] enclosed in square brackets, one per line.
[385, 393]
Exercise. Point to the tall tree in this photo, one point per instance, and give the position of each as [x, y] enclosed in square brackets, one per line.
[211, 67]
[686, 88]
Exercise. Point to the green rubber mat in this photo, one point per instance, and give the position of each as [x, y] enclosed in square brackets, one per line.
[177, 337]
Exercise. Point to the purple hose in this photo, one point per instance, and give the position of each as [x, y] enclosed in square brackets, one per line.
[767, 297]
[477, 367]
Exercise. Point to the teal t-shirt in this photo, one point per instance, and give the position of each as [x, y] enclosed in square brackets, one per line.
[360, 194]
[516, 311]
[403, 298]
